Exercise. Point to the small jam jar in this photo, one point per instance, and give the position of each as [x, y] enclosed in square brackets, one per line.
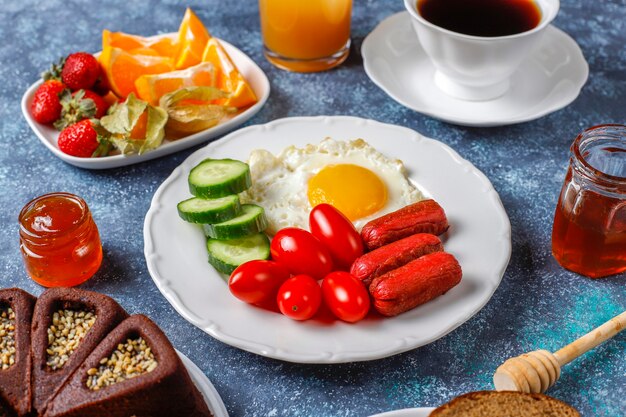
[589, 234]
[59, 240]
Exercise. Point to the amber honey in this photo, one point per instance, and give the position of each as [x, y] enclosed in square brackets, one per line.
[59, 240]
[306, 35]
[589, 233]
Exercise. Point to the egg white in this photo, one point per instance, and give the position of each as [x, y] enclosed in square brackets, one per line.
[279, 183]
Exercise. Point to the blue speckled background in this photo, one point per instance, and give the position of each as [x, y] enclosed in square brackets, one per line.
[538, 304]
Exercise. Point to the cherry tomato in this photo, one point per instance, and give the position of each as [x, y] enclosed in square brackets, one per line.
[301, 253]
[257, 281]
[299, 297]
[346, 296]
[337, 233]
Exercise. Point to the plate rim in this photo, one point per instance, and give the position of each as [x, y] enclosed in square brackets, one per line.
[283, 354]
[205, 386]
[368, 58]
[116, 161]
[401, 412]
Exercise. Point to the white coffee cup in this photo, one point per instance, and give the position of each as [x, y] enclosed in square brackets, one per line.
[476, 67]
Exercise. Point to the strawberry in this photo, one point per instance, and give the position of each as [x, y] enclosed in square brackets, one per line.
[101, 87]
[46, 106]
[101, 105]
[80, 70]
[54, 73]
[82, 140]
[79, 105]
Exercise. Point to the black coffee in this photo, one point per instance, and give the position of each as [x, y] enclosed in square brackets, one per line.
[487, 18]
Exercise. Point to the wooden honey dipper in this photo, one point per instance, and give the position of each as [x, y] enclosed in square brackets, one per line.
[535, 372]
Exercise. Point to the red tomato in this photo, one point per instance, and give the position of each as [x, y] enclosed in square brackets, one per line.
[346, 296]
[337, 233]
[299, 297]
[301, 253]
[257, 281]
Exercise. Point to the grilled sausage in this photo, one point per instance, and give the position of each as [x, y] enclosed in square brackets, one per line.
[422, 217]
[394, 255]
[415, 283]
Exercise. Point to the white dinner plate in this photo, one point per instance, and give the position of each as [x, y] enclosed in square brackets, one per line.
[210, 394]
[548, 80]
[248, 68]
[407, 412]
[479, 237]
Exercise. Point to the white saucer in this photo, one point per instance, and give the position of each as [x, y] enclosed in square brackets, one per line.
[547, 81]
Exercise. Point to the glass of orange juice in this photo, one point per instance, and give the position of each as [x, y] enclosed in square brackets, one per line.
[306, 35]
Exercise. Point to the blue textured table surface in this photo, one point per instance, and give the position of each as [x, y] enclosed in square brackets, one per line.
[538, 304]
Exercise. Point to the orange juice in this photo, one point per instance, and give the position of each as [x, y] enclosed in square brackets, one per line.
[306, 35]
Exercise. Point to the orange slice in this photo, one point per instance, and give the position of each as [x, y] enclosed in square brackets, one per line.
[192, 38]
[162, 45]
[143, 51]
[229, 78]
[151, 88]
[123, 68]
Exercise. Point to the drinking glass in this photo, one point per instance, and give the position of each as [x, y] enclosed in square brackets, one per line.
[305, 35]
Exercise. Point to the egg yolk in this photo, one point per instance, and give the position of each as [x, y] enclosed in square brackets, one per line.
[353, 190]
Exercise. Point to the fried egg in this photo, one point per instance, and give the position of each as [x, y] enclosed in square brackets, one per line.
[352, 176]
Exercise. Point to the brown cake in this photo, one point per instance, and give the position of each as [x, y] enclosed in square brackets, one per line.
[134, 371]
[75, 353]
[504, 404]
[16, 310]
[67, 326]
[6, 411]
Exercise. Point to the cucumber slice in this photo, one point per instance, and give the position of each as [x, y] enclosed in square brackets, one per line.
[226, 255]
[251, 220]
[217, 210]
[213, 178]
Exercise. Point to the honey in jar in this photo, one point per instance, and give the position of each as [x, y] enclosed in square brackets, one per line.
[589, 234]
[59, 240]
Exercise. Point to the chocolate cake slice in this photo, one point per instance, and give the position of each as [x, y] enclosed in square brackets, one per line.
[6, 411]
[68, 324]
[134, 371]
[16, 311]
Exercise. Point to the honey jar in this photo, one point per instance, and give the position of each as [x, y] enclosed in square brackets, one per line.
[59, 240]
[589, 234]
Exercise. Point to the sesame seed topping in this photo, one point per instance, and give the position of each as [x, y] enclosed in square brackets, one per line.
[7, 338]
[129, 360]
[67, 330]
